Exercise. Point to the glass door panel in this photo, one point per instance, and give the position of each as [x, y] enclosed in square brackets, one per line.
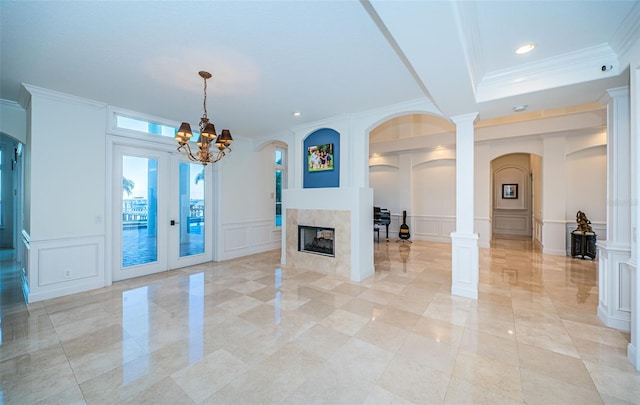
[191, 209]
[139, 210]
[190, 236]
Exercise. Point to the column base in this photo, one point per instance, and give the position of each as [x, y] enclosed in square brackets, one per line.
[465, 266]
[614, 285]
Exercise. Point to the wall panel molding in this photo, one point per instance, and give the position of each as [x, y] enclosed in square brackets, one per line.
[249, 237]
[65, 266]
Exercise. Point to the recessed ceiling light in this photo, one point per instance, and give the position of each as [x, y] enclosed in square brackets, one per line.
[296, 114]
[525, 48]
[520, 108]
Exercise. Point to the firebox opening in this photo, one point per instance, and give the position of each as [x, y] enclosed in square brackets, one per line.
[315, 239]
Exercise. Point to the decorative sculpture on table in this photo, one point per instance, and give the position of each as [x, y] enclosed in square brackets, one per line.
[584, 225]
[583, 239]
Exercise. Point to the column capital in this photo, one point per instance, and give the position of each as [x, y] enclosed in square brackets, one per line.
[614, 93]
[465, 118]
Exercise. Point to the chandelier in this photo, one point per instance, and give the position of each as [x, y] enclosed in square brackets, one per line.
[208, 141]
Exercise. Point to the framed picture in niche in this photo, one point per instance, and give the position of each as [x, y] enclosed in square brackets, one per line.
[320, 157]
[510, 191]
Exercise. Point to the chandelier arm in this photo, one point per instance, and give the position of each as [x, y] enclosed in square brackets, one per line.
[187, 149]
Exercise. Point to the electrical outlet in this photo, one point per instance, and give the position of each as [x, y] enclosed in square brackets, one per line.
[67, 273]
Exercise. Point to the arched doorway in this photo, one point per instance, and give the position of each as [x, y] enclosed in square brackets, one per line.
[514, 188]
[12, 278]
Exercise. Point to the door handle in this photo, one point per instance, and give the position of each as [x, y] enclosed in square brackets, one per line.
[173, 222]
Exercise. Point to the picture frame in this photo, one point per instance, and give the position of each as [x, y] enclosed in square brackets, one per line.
[510, 191]
[320, 158]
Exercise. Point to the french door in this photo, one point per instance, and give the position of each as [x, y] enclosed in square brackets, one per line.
[162, 212]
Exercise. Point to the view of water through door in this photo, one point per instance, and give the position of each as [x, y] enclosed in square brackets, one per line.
[139, 210]
[191, 208]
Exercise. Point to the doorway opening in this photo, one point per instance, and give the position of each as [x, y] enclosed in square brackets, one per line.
[515, 186]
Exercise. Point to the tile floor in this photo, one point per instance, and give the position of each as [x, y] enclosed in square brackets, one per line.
[250, 332]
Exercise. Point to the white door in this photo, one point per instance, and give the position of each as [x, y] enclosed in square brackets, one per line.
[191, 230]
[161, 211]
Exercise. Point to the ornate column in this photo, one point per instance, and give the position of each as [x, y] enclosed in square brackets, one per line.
[464, 242]
[614, 274]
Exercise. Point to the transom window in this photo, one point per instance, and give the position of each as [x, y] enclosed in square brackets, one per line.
[151, 128]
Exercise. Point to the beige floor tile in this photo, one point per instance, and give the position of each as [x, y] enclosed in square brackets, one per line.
[70, 396]
[489, 374]
[555, 365]
[200, 380]
[545, 336]
[489, 346]
[615, 383]
[345, 322]
[165, 391]
[545, 390]
[379, 395]
[383, 335]
[462, 392]
[415, 382]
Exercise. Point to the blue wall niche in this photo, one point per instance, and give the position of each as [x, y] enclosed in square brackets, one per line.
[314, 178]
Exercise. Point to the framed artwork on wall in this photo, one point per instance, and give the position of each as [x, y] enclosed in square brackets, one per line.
[510, 191]
[320, 157]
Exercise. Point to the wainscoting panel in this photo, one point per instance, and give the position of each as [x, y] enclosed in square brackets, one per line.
[260, 234]
[510, 223]
[246, 238]
[433, 228]
[65, 266]
[66, 263]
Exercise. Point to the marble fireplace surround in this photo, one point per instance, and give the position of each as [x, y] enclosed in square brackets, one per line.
[340, 221]
[349, 211]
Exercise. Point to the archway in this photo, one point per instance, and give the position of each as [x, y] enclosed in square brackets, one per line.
[11, 245]
[512, 196]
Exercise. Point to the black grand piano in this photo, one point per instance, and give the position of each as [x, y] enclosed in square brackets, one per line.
[381, 216]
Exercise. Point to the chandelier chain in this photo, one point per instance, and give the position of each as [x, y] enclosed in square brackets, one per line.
[204, 102]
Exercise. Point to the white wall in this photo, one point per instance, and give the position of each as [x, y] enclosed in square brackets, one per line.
[434, 192]
[587, 183]
[64, 193]
[67, 181]
[247, 201]
[384, 180]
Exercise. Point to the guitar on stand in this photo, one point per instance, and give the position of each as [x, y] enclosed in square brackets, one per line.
[404, 234]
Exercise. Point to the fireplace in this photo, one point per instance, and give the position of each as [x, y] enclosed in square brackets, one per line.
[317, 240]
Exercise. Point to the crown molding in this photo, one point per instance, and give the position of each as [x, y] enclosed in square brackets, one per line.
[57, 96]
[627, 33]
[10, 105]
[573, 67]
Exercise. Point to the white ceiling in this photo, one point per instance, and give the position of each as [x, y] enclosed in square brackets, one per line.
[322, 58]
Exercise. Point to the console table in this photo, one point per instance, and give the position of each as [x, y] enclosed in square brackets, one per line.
[583, 244]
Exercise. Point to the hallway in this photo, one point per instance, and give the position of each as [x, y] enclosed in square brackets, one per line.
[250, 331]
